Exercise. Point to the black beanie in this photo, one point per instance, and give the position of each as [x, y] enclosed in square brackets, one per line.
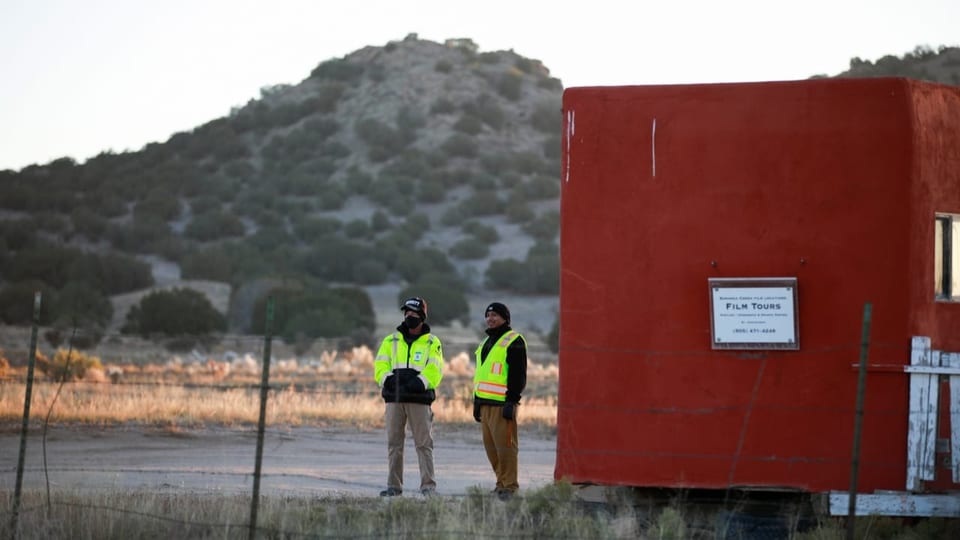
[499, 309]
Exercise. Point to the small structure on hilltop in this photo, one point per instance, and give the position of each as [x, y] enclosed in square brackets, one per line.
[723, 247]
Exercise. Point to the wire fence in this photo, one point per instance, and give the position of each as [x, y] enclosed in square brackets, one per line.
[246, 365]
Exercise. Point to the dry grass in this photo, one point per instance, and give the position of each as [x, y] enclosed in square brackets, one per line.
[553, 511]
[336, 390]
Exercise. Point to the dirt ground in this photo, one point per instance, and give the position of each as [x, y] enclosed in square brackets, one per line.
[296, 462]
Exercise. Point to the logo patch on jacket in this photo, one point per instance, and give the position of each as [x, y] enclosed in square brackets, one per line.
[417, 356]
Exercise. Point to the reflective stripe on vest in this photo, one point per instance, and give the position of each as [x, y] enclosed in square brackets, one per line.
[417, 364]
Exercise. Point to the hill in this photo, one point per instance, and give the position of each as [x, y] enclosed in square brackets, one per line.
[412, 166]
[923, 63]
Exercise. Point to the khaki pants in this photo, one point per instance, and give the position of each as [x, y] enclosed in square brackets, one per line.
[502, 445]
[420, 417]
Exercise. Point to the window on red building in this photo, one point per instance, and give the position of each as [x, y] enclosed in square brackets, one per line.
[946, 260]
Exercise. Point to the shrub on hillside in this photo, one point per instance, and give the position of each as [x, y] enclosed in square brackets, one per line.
[484, 233]
[409, 121]
[112, 273]
[468, 124]
[238, 170]
[487, 108]
[58, 266]
[108, 204]
[333, 259]
[482, 203]
[214, 224]
[160, 203]
[88, 223]
[539, 273]
[518, 211]
[530, 163]
[16, 302]
[410, 163]
[383, 141]
[338, 69]
[442, 106]
[445, 299]
[357, 182]
[545, 227]
[312, 311]
[269, 239]
[510, 85]
[45, 262]
[205, 203]
[430, 191]
[453, 216]
[483, 182]
[411, 264]
[552, 149]
[311, 228]
[470, 248]
[357, 228]
[541, 187]
[379, 221]
[460, 145]
[332, 198]
[181, 311]
[49, 222]
[269, 217]
[547, 117]
[17, 233]
[141, 236]
[370, 272]
[415, 225]
[213, 264]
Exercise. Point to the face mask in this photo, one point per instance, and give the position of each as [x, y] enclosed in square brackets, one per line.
[411, 322]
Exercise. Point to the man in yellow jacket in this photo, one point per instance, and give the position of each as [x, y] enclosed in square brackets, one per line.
[498, 381]
[408, 369]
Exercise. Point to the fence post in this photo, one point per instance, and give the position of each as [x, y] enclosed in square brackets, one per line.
[264, 387]
[31, 362]
[858, 420]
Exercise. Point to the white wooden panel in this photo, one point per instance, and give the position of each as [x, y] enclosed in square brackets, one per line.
[930, 370]
[922, 418]
[953, 361]
[896, 504]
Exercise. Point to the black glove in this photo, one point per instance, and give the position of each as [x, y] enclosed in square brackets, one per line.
[415, 386]
[510, 411]
[476, 411]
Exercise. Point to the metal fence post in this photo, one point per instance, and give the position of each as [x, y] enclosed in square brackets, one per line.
[264, 387]
[31, 362]
[858, 421]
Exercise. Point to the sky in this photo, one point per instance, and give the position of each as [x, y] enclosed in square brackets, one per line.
[81, 77]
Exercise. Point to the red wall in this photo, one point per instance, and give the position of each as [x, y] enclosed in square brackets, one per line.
[827, 181]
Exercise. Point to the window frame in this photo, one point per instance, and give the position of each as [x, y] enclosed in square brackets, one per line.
[946, 257]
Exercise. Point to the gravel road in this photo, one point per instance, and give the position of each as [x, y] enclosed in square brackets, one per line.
[298, 461]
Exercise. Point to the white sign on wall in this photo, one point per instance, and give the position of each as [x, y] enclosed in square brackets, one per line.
[754, 313]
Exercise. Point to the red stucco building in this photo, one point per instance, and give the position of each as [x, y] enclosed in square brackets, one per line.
[841, 192]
